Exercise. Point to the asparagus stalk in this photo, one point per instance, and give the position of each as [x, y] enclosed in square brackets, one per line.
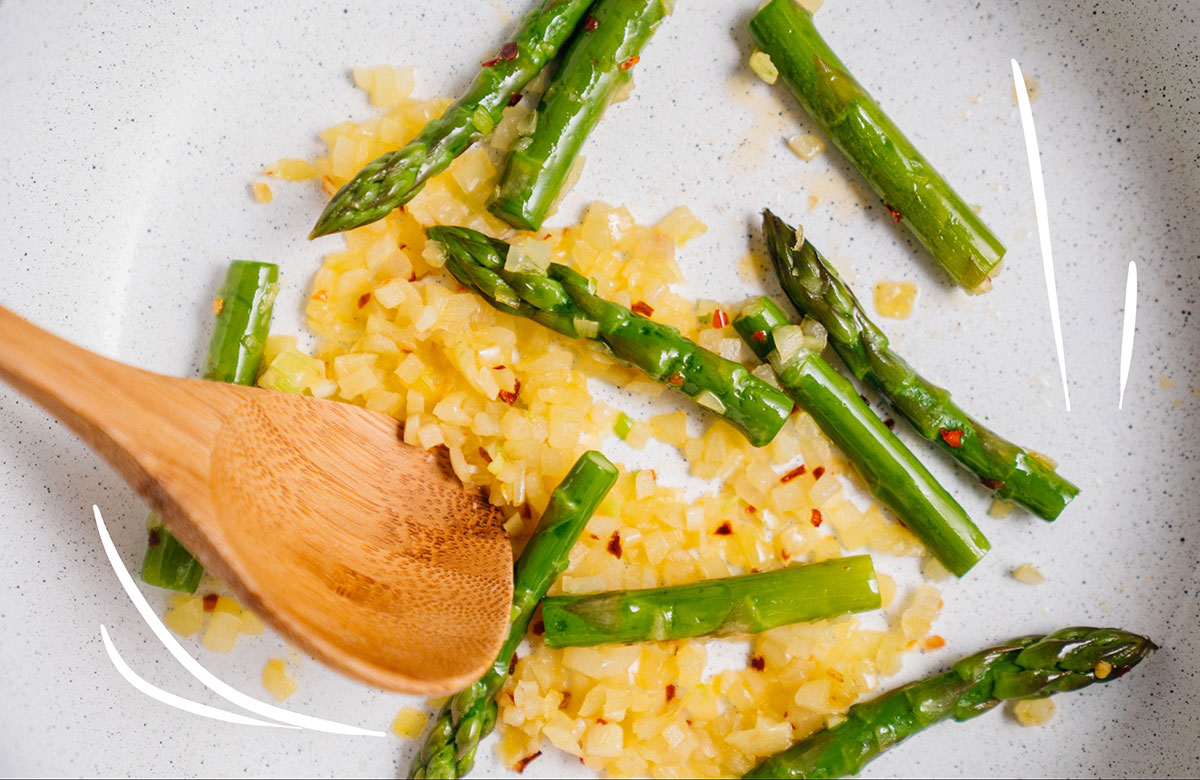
[564, 301]
[597, 64]
[243, 310]
[468, 717]
[912, 190]
[892, 473]
[746, 604]
[1027, 668]
[813, 286]
[396, 177]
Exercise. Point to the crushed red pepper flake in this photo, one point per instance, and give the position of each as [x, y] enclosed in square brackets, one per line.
[724, 529]
[524, 762]
[539, 628]
[511, 398]
[509, 51]
[895, 214]
[154, 539]
[483, 453]
[670, 692]
[512, 665]
[515, 98]
[412, 276]
[642, 308]
[758, 663]
[321, 295]
[751, 509]
[816, 518]
[526, 511]
[629, 63]
[675, 380]
[934, 642]
[720, 319]
[890, 423]
[818, 472]
[489, 63]
[364, 299]
[953, 436]
[590, 23]
[796, 472]
[992, 484]
[760, 336]
[210, 601]
[614, 544]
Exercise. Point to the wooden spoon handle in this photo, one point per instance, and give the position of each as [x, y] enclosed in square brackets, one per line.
[125, 414]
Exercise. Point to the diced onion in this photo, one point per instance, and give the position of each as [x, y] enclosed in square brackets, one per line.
[587, 329]
[763, 67]
[709, 400]
[790, 341]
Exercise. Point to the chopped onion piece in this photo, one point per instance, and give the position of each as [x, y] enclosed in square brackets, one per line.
[587, 329]
[815, 335]
[708, 400]
[790, 341]
[760, 63]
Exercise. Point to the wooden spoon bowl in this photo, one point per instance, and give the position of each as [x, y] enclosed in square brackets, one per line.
[365, 552]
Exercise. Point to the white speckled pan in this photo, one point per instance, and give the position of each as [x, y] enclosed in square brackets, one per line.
[132, 129]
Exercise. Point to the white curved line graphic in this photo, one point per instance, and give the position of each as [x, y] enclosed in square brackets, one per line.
[1043, 220]
[1127, 328]
[178, 702]
[211, 681]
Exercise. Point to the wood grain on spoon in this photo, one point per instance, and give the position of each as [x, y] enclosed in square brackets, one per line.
[363, 551]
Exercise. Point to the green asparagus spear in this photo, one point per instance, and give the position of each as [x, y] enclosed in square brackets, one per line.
[396, 177]
[892, 473]
[813, 286]
[243, 310]
[912, 190]
[1026, 668]
[469, 716]
[746, 604]
[564, 301]
[597, 64]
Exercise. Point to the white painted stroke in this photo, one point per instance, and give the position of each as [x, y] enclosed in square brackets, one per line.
[1043, 220]
[178, 702]
[211, 681]
[1127, 328]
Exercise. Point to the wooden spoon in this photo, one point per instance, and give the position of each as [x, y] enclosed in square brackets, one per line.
[365, 552]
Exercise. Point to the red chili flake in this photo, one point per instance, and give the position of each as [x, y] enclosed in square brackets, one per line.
[751, 509]
[760, 336]
[864, 399]
[816, 518]
[720, 319]
[890, 423]
[642, 308]
[953, 437]
[602, 721]
[675, 380]
[210, 602]
[758, 663]
[818, 472]
[654, 475]
[895, 214]
[512, 665]
[614, 544]
[724, 529]
[935, 642]
[670, 692]
[991, 484]
[511, 398]
[515, 98]
[321, 295]
[484, 454]
[489, 63]
[460, 287]
[796, 472]
[364, 299]
[154, 539]
[509, 51]
[629, 63]
[590, 23]
[412, 276]
[526, 512]
[524, 762]
[539, 628]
